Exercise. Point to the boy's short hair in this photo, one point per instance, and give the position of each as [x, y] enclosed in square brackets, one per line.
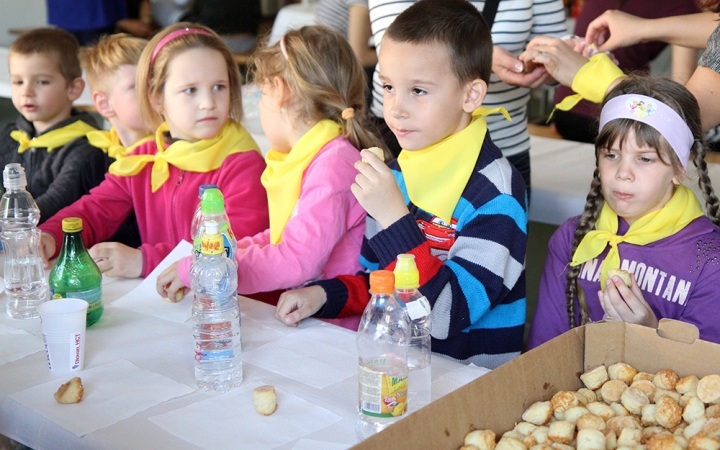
[54, 43]
[105, 58]
[458, 25]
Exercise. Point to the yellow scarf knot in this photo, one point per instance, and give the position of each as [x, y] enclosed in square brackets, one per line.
[201, 156]
[52, 139]
[436, 176]
[109, 142]
[682, 208]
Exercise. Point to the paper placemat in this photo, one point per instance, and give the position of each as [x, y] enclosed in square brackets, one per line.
[313, 356]
[230, 421]
[456, 379]
[144, 299]
[17, 344]
[113, 392]
[309, 444]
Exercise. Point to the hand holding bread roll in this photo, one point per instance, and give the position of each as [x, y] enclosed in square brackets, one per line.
[377, 151]
[622, 274]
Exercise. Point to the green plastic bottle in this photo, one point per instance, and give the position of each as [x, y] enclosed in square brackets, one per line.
[75, 274]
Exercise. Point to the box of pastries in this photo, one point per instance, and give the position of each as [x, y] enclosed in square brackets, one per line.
[605, 386]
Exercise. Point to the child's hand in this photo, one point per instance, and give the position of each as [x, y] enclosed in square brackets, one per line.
[47, 248]
[512, 70]
[626, 303]
[169, 286]
[558, 57]
[376, 190]
[117, 260]
[298, 304]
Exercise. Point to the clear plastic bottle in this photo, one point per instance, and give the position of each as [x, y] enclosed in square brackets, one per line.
[407, 283]
[382, 342]
[215, 316]
[197, 217]
[25, 282]
[212, 207]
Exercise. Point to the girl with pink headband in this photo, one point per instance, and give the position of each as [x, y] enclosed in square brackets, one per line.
[188, 88]
[639, 218]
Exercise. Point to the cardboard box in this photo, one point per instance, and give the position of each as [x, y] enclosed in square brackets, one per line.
[498, 399]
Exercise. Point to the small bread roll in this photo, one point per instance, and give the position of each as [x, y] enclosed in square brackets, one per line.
[686, 384]
[510, 444]
[711, 428]
[648, 415]
[529, 441]
[648, 387]
[70, 392]
[662, 441]
[573, 414]
[513, 434]
[595, 378]
[712, 412]
[540, 435]
[702, 442]
[629, 437]
[708, 388]
[623, 372]
[633, 399]
[617, 424]
[590, 421]
[481, 439]
[694, 409]
[265, 399]
[619, 409]
[538, 413]
[562, 401]
[668, 413]
[649, 432]
[562, 432]
[612, 390]
[694, 427]
[377, 151]
[610, 439]
[601, 409]
[681, 441]
[643, 376]
[664, 392]
[525, 428]
[589, 395]
[686, 398]
[623, 274]
[589, 439]
[666, 379]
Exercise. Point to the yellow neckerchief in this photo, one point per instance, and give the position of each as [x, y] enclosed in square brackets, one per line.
[109, 142]
[202, 156]
[682, 208]
[437, 175]
[283, 175]
[52, 139]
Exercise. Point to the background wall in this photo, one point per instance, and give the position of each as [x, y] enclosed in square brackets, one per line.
[20, 14]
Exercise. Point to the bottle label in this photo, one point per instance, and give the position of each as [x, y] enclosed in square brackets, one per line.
[92, 296]
[418, 309]
[226, 235]
[382, 395]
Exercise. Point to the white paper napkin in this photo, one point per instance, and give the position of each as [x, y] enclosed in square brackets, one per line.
[230, 421]
[113, 392]
[314, 356]
[310, 444]
[145, 299]
[456, 379]
[17, 344]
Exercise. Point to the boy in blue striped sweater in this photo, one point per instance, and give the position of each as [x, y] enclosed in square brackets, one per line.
[451, 198]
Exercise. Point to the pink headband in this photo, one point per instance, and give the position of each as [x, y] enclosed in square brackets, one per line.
[170, 37]
[656, 114]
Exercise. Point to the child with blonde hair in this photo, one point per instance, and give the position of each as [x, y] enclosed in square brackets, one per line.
[49, 136]
[313, 112]
[189, 89]
[638, 218]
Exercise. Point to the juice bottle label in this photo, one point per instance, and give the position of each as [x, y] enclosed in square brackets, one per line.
[226, 234]
[382, 395]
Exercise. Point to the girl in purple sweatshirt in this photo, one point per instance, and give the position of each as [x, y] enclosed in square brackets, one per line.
[639, 218]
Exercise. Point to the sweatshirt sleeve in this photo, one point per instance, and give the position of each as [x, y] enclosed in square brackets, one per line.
[551, 317]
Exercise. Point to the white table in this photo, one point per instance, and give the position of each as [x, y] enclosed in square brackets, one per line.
[121, 326]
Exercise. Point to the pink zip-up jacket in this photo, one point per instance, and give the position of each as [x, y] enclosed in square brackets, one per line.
[321, 240]
[164, 217]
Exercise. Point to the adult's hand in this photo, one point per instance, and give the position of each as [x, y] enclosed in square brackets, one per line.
[558, 58]
[614, 29]
[511, 70]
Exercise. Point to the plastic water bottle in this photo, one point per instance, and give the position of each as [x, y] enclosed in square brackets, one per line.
[382, 343]
[407, 283]
[197, 217]
[25, 283]
[215, 316]
[75, 274]
[212, 207]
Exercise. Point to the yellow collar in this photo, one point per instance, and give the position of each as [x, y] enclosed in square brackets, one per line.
[52, 139]
[109, 142]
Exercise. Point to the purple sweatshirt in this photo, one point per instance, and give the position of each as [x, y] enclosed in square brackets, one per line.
[679, 277]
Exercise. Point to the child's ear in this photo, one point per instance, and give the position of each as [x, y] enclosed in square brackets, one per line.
[281, 93]
[474, 95]
[156, 102]
[102, 104]
[75, 89]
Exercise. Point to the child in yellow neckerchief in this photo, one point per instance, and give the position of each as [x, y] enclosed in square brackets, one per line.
[639, 218]
[49, 136]
[451, 199]
[188, 86]
[313, 112]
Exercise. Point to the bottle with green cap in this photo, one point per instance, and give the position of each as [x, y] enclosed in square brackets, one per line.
[212, 208]
[407, 284]
[75, 274]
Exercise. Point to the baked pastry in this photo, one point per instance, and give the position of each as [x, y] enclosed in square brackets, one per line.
[619, 409]
[561, 431]
[694, 409]
[481, 439]
[265, 399]
[525, 428]
[643, 376]
[589, 439]
[648, 415]
[510, 444]
[633, 399]
[712, 412]
[662, 441]
[617, 424]
[694, 428]
[377, 151]
[668, 413]
[595, 378]
[540, 435]
[574, 413]
[623, 274]
[70, 392]
[612, 390]
[686, 384]
[538, 413]
[590, 396]
[601, 409]
[708, 388]
[623, 372]
[666, 379]
[648, 387]
[629, 437]
[590, 421]
[562, 401]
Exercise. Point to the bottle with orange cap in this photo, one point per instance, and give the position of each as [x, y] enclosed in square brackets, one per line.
[382, 339]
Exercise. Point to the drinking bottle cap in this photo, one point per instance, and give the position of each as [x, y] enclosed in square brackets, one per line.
[382, 282]
[72, 225]
[406, 272]
[212, 201]
[14, 176]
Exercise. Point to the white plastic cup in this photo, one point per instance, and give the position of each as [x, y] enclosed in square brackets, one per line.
[63, 329]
